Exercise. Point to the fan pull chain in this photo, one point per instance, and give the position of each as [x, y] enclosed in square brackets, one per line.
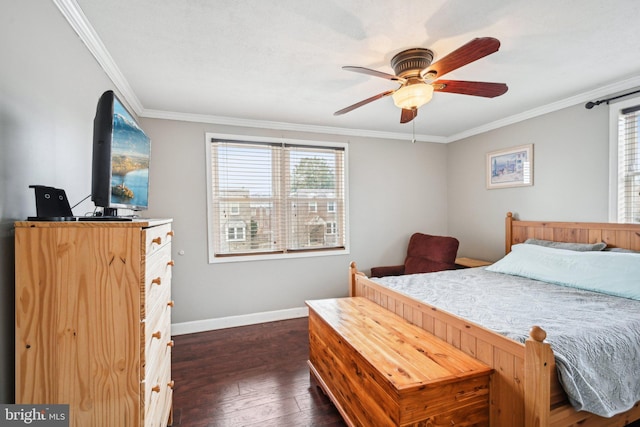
[413, 124]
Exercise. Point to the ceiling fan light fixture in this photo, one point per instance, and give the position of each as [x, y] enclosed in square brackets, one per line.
[419, 78]
[413, 96]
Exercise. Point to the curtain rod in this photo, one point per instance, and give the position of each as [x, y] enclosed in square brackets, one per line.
[589, 105]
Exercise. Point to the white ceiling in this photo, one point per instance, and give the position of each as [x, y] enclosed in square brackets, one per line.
[277, 63]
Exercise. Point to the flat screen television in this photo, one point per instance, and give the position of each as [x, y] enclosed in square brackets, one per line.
[121, 154]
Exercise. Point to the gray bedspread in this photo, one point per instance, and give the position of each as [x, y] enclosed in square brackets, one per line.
[595, 337]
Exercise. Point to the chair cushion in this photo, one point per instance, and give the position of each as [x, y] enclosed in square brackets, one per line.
[427, 253]
[390, 270]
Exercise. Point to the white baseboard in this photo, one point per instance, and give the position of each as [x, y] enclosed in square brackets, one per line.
[233, 321]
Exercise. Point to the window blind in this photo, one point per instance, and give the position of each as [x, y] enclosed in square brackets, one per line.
[629, 165]
[274, 198]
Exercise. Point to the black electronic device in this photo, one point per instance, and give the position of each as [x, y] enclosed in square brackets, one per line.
[121, 154]
[51, 204]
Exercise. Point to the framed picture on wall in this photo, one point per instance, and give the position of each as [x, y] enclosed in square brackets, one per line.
[511, 167]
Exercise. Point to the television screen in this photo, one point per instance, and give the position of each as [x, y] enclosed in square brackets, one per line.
[121, 153]
[129, 161]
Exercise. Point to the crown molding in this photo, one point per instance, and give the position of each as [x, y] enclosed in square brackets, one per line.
[78, 21]
[550, 108]
[72, 12]
[264, 124]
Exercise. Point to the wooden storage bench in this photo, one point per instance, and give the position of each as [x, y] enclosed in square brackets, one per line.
[380, 370]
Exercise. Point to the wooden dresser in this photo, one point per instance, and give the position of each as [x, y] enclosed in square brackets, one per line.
[93, 320]
[380, 370]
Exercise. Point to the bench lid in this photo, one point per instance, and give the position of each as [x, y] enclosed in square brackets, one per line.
[405, 354]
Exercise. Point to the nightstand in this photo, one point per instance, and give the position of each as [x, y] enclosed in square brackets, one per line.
[471, 262]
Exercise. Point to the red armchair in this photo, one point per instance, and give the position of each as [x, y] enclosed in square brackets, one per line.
[425, 254]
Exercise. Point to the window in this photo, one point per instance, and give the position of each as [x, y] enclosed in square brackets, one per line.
[332, 228]
[235, 233]
[625, 164]
[265, 196]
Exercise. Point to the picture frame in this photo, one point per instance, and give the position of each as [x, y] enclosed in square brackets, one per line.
[510, 167]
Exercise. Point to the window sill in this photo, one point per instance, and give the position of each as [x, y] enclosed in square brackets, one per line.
[266, 257]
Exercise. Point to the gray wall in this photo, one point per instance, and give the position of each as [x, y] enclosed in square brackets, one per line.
[571, 155]
[49, 85]
[384, 178]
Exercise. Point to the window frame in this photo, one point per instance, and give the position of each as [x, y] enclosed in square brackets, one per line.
[234, 209]
[615, 111]
[331, 228]
[211, 228]
[238, 237]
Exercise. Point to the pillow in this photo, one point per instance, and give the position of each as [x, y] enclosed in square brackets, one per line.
[621, 250]
[427, 253]
[581, 247]
[605, 272]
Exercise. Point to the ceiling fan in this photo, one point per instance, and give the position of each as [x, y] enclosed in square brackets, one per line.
[417, 77]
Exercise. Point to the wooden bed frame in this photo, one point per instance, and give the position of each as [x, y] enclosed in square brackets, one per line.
[524, 387]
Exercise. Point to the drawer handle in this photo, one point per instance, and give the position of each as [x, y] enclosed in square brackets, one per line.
[157, 334]
[171, 263]
[170, 233]
[171, 303]
[171, 344]
[156, 388]
[157, 240]
[171, 384]
[157, 281]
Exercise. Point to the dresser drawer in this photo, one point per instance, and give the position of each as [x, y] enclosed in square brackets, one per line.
[157, 237]
[157, 280]
[157, 309]
[157, 389]
[157, 335]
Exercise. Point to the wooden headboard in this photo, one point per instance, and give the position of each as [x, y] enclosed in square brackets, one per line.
[615, 235]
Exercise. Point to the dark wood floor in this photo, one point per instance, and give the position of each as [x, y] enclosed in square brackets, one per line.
[248, 376]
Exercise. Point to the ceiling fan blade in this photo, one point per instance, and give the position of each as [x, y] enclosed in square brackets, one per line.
[485, 89]
[472, 51]
[364, 102]
[408, 115]
[374, 73]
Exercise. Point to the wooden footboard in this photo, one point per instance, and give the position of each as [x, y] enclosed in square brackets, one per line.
[524, 386]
